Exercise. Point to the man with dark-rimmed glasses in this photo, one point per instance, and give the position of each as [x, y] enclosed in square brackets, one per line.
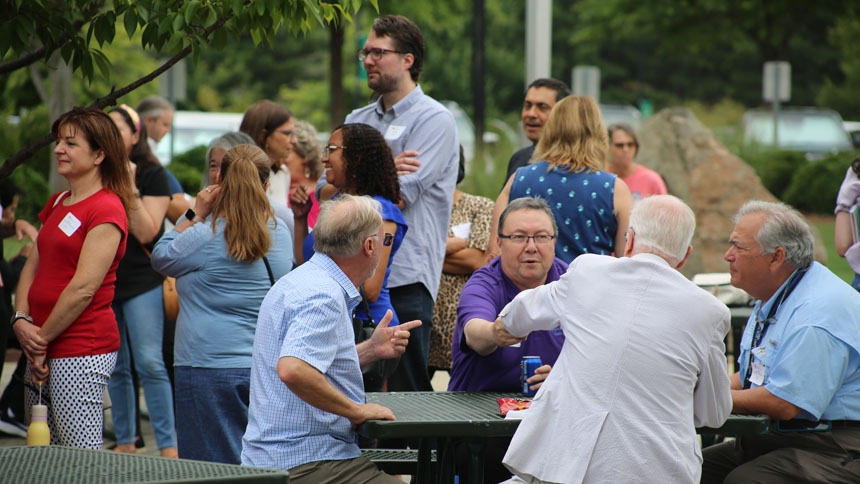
[799, 358]
[415, 127]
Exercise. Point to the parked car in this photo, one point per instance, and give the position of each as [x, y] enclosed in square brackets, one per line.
[195, 128]
[853, 129]
[813, 131]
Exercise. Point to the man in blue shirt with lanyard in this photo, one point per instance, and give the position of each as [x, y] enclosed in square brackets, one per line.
[799, 361]
[416, 127]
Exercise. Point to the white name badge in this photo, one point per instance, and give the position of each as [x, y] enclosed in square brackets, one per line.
[70, 224]
[757, 376]
[394, 132]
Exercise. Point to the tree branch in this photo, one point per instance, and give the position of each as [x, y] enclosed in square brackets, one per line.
[26, 153]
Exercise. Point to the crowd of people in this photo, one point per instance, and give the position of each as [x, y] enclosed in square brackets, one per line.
[309, 274]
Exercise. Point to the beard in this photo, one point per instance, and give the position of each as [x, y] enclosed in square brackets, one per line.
[382, 84]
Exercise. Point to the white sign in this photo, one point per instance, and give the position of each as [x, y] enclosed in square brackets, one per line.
[777, 81]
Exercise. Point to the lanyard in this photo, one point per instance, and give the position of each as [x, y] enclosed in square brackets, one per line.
[761, 325]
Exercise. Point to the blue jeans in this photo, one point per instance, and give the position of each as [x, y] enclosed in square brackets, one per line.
[211, 412]
[413, 302]
[141, 328]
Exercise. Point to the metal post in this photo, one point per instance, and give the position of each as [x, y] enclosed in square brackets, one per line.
[538, 39]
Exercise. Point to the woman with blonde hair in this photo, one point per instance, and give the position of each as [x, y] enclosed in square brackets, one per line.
[591, 206]
[225, 255]
[63, 317]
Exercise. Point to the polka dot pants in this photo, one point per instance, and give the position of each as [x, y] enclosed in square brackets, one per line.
[74, 394]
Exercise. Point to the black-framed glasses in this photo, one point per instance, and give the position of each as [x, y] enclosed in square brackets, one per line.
[520, 239]
[375, 54]
[329, 148]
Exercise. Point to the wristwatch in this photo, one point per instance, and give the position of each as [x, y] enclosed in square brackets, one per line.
[20, 315]
[192, 216]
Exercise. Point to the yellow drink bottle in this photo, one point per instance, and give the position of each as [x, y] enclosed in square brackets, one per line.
[38, 432]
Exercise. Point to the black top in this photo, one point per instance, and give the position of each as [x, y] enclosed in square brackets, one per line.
[519, 159]
[135, 274]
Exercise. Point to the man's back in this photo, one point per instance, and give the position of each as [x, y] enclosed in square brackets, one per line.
[640, 341]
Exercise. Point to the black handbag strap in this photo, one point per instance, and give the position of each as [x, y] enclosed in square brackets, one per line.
[269, 270]
[366, 305]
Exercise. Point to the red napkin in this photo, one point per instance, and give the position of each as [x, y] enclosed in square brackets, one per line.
[507, 404]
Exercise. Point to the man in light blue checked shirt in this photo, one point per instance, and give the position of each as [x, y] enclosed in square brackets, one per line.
[307, 394]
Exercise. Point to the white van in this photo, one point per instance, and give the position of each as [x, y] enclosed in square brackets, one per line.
[195, 128]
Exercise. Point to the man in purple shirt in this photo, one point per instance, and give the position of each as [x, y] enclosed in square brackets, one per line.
[488, 361]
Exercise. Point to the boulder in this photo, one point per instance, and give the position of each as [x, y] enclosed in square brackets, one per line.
[715, 183]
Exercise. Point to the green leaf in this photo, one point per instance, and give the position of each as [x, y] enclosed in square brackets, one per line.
[178, 23]
[103, 63]
[191, 9]
[129, 20]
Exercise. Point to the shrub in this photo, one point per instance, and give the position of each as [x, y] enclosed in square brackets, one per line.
[814, 186]
[188, 169]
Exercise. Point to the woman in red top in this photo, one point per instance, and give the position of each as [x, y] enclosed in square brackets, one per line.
[65, 323]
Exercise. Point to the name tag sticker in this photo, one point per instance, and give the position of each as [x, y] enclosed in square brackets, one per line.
[70, 224]
[757, 376]
[394, 131]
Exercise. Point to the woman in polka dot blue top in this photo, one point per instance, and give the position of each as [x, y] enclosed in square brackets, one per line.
[591, 206]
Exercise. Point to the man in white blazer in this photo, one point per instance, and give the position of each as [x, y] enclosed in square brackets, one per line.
[642, 366]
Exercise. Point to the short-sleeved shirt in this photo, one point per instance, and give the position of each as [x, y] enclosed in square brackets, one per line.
[644, 182]
[306, 315]
[391, 213]
[135, 274]
[583, 204]
[418, 122]
[94, 332]
[488, 291]
[811, 353]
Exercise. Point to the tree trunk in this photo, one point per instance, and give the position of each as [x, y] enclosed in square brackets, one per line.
[61, 100]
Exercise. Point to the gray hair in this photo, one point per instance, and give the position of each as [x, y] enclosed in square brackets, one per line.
[153, 106]
[226, 142]
[344, 223]
[783, 227]
[663, 225]
[528, 203]
[309, 148]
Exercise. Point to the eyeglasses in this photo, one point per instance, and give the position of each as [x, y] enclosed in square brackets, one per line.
[375, 54]
[629, 230]
[520, 239]
[622, 145]
[329, 148]
[387, 239]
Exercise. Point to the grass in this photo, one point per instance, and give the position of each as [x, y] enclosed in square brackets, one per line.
[836, 264]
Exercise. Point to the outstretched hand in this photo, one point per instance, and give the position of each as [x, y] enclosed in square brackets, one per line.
[391, 341]
[501, 335]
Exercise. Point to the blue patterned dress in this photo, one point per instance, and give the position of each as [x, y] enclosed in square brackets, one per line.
[582, 202]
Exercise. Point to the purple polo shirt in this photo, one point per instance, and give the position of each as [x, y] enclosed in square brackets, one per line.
[484, 296]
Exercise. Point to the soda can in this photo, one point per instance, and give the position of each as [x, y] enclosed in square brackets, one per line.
[528, 365]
